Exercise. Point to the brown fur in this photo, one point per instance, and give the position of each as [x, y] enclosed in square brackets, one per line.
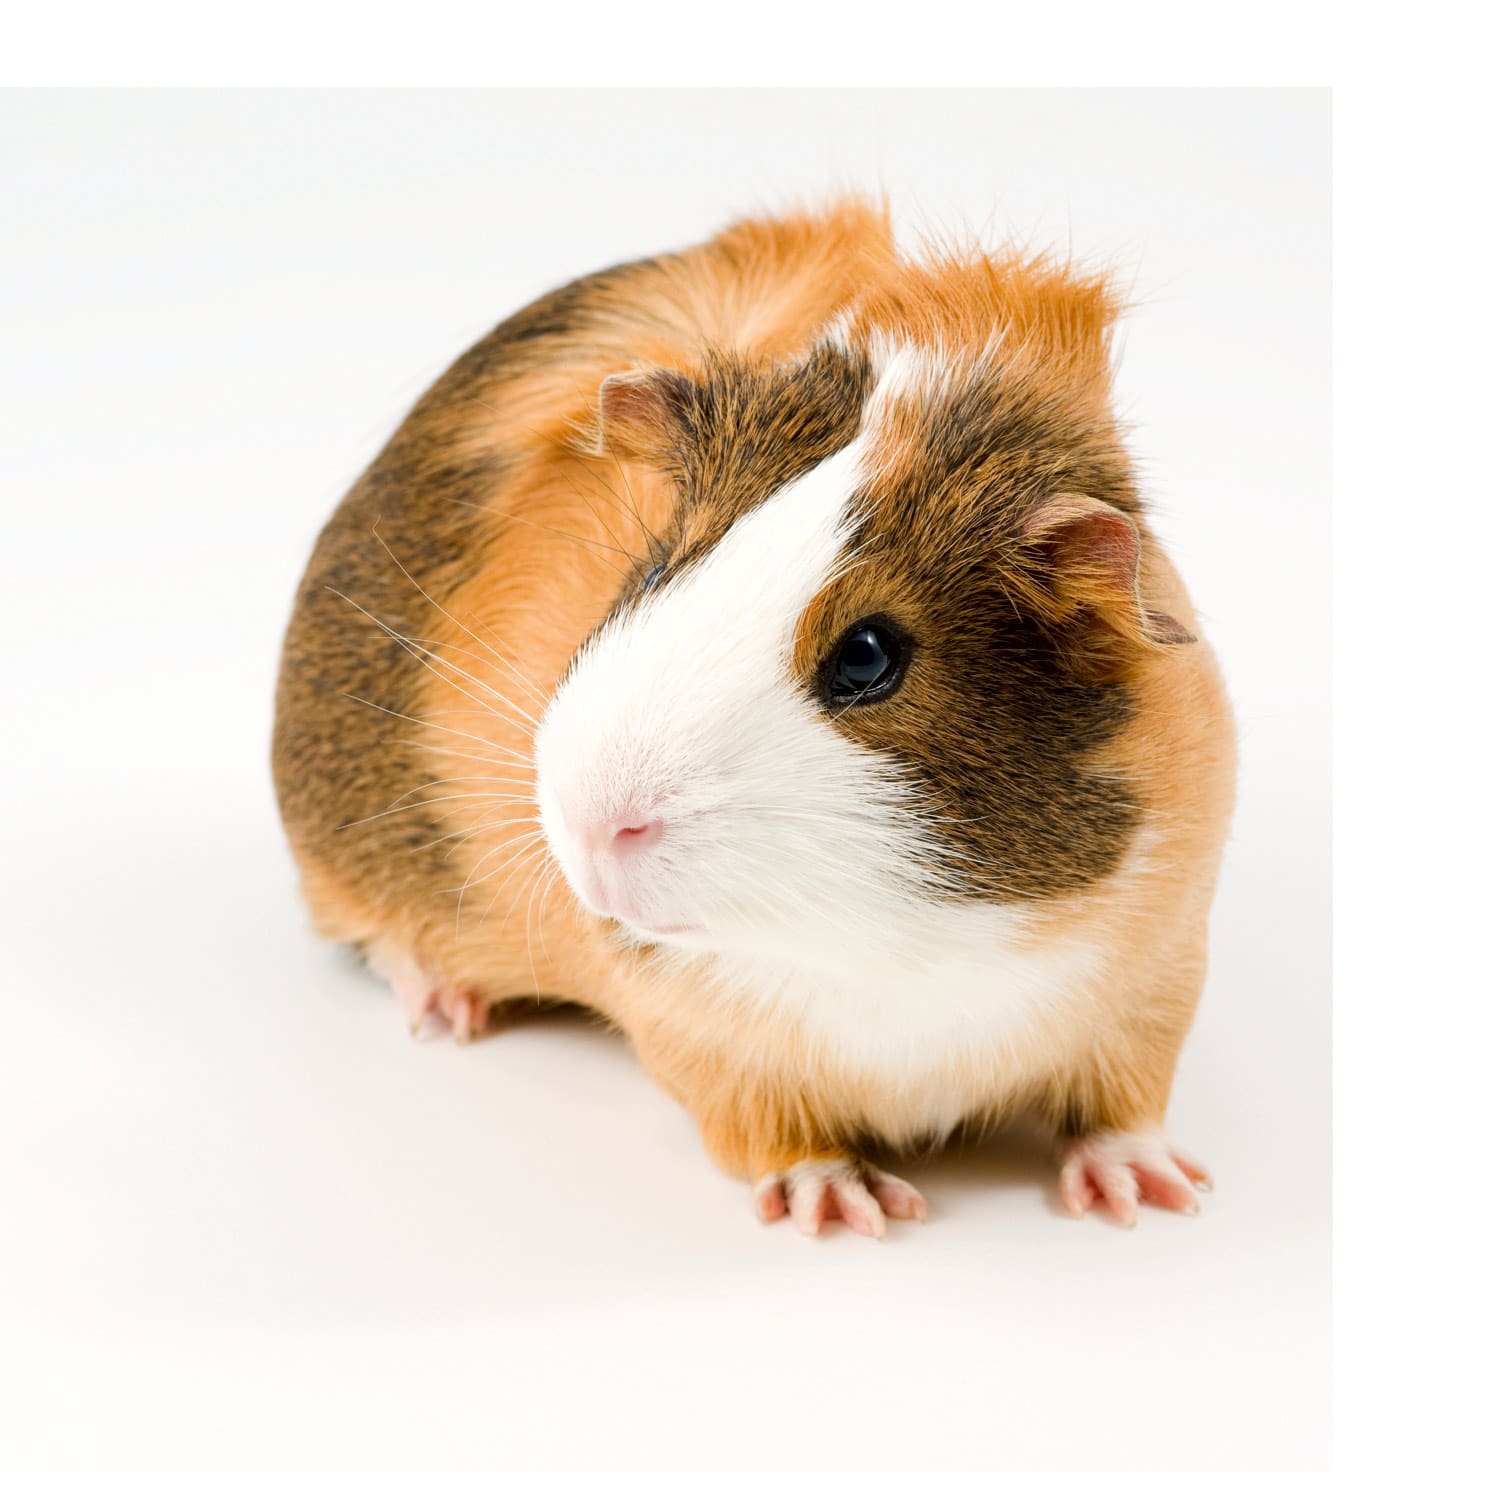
[522, 519]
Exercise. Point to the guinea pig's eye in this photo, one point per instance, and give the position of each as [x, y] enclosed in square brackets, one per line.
[650, 580]
[867, 664]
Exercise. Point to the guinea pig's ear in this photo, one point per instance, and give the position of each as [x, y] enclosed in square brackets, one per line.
[1091, 556]
[643, 414]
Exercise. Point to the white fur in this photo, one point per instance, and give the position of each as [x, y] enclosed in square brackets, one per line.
[912, 371]
[839, 331]
[906, 1016]
[900, 368]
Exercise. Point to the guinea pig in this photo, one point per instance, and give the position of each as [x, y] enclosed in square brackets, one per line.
[767, 647]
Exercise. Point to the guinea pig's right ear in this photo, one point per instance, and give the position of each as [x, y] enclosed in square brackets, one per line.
[643, 414]
[1092, 557]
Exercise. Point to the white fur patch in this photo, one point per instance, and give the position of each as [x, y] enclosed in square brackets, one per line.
[907, 1012]
[912, 371]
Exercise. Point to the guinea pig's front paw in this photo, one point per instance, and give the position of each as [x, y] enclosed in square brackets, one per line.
[424, 996]
[463, 1012]
[1123, 1170]
[838, 1187]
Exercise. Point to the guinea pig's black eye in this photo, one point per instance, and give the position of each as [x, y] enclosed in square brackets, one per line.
[650, 580]
[867, 664]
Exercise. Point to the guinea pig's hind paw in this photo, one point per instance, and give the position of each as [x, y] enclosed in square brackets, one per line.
[837, 1187]
[1122, 1170]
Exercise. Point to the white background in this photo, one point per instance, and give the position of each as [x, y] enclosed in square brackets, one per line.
[247, 1221]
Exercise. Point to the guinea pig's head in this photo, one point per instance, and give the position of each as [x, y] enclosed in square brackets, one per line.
[878, 662]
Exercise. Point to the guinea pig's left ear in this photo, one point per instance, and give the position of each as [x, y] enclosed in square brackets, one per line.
[1091, 555]
[643, 414]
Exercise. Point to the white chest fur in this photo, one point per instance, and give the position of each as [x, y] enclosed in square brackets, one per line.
[924, 1028]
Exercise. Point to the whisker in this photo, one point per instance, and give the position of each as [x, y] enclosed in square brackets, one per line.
[428, 640]
[538, 852]
[391, 812]
[478, 739]
[525, 840]
[505, 763]
[426, 658]
[375, 531]
[627, 503]
[520, 781]
[541, 911]
[525, 844]
[459, 839]
[536, 987]
[619, 546]
[585, 541]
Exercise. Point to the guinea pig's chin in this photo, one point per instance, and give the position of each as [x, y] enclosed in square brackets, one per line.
[683, 935]
[639, 914]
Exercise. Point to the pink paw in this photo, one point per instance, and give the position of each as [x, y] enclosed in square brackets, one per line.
[1123, 1170]
[461, 1011]
[422, 994]
[837, 1187]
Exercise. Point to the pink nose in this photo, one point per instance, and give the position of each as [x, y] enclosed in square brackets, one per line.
[633, 837]
[624, 836]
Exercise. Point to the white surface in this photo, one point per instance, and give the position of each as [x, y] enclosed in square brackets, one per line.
[245, 1220]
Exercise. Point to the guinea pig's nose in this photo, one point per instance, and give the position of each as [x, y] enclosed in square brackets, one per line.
[637, 835]
[629, 834]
